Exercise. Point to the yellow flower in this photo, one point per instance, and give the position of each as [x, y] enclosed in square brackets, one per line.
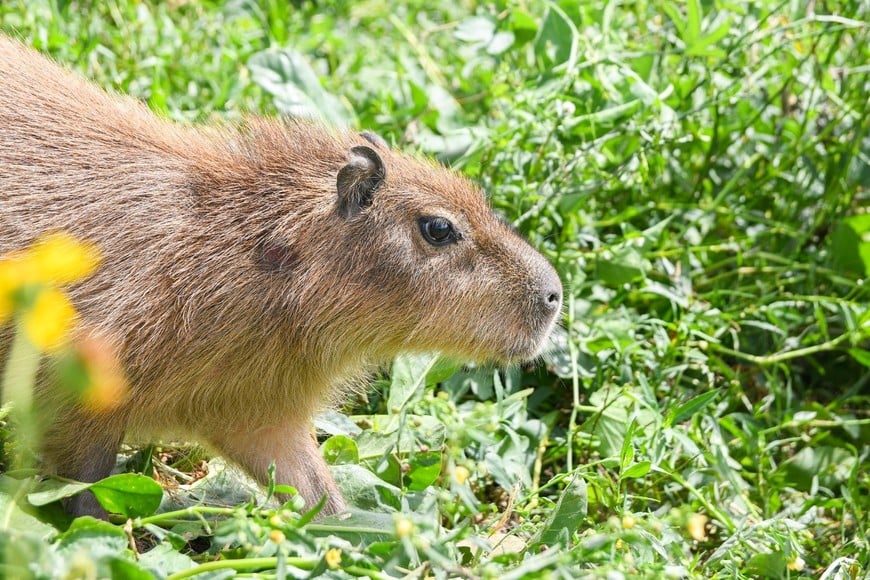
[697, 527]
[333, 558]
[460, 474]
[797, 564]
[404, 527]
[48, 322]
[59, 258]
[107, 385]
[8, 285]
[277, 536]
[628, 522]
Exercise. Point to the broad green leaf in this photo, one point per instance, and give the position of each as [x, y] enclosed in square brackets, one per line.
[523, 25]
[340, 449]
[556, 42]
[129, 494]
[14, 518]
[127, 569]
[333, 422]
[53, 490]
[286, 75]
[87, 528]
[424, 470]
[831, 465]
[850, 245]
[636, 471]
[442, 370]
[567, 515]
[365, 490]
[408, 379]
[26, 555]
[766, 565]
[623, 266]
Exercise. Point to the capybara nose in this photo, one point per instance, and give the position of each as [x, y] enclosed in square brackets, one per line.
[551, 292]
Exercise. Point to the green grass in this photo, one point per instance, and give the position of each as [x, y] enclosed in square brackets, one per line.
[697, 172]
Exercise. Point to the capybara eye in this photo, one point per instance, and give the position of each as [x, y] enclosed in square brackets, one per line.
[438, 231]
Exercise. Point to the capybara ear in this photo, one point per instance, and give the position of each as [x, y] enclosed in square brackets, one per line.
[375, 139]
[358, 180]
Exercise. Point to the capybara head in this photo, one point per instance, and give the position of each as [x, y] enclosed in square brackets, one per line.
[410, 257]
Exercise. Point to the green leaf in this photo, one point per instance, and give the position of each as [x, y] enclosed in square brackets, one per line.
[690, 408]
[356, 526]
[830, 465]
[286, 75]
[766, 565]
[13, 517]
[567, 515]
[87, 528]
[705, 46]
[340, 449]
[860, 355]
[636, 471]
[523, 25]
[365, 490]
[408, 379]
[130, 494]
[693, 21]
[673, 12]
[424, 470]
[623, 266]
[53, 490]
[25, 555]
[556, 42]
[850, 245]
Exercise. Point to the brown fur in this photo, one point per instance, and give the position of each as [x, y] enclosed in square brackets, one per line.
[240, 300]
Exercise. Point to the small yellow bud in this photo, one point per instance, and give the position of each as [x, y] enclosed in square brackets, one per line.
[404, 527]
[460, 474]
[628, 522]
[333, 558]
[697, 527]
[48, 322]
[796, 565]
[276, 521]
[277, 536]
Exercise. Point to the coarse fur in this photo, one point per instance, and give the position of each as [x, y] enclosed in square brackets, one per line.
[245, 282]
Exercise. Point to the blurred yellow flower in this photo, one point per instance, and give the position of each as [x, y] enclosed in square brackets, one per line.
[460, 474]
[58, 258]
[797, 564]
[107, 385]
[333, 558]
[48, 322]
[697, 526]
[8, 284]
[404, 527]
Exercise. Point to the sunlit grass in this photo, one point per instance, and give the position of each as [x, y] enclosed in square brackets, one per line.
[697, 173]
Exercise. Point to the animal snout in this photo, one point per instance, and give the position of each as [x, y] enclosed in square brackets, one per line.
[550, 294]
